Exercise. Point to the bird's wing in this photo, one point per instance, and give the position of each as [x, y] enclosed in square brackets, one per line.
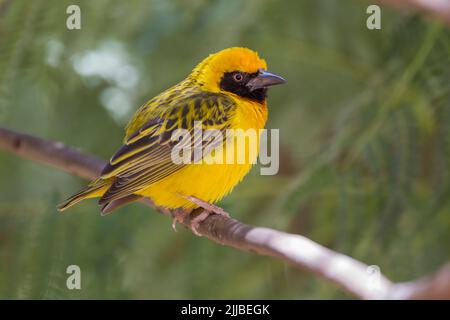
[145, 156]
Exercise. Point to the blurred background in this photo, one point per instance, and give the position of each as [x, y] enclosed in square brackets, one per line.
[364, 129]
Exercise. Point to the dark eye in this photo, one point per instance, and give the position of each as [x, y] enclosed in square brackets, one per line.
[238, 77]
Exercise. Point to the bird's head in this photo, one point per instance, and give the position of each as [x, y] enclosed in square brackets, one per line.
[238, 71]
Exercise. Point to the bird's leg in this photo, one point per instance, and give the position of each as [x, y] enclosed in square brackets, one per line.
[196, 216]
[211, 208]
[200, 214]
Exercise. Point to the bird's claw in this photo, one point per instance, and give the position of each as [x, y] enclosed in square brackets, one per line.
[194, 222]
[178, 216]
[196, 216]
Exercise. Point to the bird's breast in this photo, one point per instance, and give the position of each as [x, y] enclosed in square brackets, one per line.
[211, 181]
[250, 115]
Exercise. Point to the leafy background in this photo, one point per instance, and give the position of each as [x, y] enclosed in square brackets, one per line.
[364, 131]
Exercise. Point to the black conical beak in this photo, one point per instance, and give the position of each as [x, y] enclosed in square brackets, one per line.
[264, 79]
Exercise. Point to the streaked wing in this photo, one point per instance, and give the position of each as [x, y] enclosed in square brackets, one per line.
[145, 157]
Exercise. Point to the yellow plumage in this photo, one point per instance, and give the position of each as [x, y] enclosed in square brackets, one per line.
[225, 91]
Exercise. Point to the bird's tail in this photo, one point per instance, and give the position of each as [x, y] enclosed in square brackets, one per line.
[94, 189]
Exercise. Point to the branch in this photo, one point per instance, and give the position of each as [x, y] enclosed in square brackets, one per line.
[346, 272]
[439, 9]
[436, 286]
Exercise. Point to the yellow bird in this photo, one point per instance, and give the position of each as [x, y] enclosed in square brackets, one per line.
[227, 90]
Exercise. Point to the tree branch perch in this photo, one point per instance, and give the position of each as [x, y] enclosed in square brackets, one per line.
[344, 271]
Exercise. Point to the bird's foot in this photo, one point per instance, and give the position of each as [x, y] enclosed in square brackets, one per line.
[199, 215]
[207, 206]
[206, 209]
[179, 215]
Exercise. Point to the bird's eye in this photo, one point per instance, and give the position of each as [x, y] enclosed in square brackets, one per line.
[238, 77]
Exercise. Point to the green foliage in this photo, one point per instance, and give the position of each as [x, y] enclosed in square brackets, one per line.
[364, 129]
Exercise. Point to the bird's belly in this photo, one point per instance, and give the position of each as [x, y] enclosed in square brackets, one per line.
[208, 182]
[211, 182]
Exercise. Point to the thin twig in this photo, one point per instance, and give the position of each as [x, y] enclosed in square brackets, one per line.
[351, 275]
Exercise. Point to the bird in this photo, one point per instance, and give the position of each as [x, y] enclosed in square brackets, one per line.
[227, 90]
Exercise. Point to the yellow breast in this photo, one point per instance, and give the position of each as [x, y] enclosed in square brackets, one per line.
[211, 182]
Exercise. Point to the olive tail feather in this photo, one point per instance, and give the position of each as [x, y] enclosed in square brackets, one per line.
[91, 191]
[110, 206]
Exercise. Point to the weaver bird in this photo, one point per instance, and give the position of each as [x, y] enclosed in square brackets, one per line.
[227, 90]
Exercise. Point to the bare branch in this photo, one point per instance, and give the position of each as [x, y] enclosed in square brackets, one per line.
[55, 154]
[435, 287]
[346, 272]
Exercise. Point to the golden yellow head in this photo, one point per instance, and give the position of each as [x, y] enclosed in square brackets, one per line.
[238, 71]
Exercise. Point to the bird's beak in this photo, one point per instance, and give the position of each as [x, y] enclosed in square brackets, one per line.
[264, 79]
